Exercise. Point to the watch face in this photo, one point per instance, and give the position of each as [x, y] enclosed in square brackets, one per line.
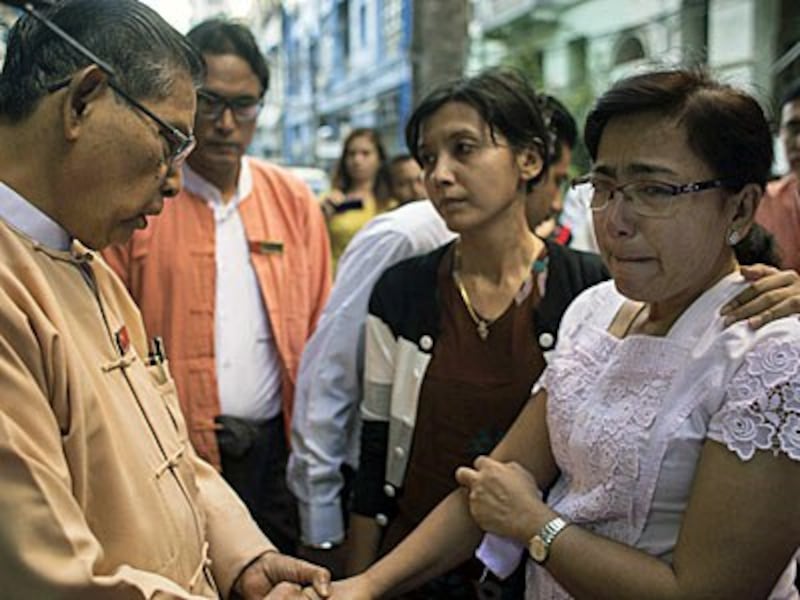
[537, 549]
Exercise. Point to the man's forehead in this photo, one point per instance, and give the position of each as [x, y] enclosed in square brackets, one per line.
[407, 164]
[230, 75]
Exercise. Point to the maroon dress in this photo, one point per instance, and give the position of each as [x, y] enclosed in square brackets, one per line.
[471, 394]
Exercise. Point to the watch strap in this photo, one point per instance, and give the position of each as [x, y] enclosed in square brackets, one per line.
[551, 529]
[539, 544]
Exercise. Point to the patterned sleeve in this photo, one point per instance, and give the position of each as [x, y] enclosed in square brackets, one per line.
[761, 408]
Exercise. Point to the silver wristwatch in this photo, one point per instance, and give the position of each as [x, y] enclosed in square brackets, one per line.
[539, 544]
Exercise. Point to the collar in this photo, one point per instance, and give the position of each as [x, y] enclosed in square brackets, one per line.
[200, 186]
[29, 220]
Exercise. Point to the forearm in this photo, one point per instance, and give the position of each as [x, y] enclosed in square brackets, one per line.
[314, 470]
[594, 567]
[323, 424]
[234, 538]
[445, 539]
[363, 543]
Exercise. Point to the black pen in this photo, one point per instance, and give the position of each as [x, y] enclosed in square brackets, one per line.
[157, 354]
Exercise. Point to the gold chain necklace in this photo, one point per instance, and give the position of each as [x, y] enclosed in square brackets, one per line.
[481, 324]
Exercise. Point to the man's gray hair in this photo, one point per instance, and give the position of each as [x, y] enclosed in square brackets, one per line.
[146, 53]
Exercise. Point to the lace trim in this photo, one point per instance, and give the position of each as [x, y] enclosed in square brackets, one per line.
[762, 411]
[599, 416]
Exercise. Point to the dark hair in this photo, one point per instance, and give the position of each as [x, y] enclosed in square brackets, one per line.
[560, 123]
[144, 51]
[758, 246]
[727, 127]
[393, 162]
[399, 158]
[792, 93]
[220, 36]
[341, 176]
[503, 99]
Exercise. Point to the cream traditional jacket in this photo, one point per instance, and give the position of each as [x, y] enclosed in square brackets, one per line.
[101, 493]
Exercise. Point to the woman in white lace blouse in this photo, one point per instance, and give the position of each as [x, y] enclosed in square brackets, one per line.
[667, 446]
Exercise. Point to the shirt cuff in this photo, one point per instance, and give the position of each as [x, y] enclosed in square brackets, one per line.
[500, 555]
[321, 523]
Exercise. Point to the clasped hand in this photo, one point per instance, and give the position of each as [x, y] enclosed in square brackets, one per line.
[276, 576]
[503, 498]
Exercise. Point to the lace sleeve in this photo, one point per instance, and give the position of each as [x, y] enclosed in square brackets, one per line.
[761, 409]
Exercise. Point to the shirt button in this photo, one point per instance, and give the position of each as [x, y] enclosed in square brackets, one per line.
[381, 519]
[399, 452]
[388, 489]
[425, 342]
[546, 341]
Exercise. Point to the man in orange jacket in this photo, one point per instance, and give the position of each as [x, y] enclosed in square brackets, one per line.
[779, 211]
[233, 275]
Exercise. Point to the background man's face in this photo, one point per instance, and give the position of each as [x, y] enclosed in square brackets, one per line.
[406, 179]
[546, 200]
[221, 142]
[790, 134]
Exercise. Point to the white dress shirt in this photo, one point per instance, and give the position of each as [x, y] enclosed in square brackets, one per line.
[26, 218]
[577, 216]
[325, 426]
[248, 368]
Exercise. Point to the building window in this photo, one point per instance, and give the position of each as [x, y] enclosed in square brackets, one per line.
[694, 31]
[630, 50]
[295, 60]
[393, 26]
[362, 24]
[342, 28]
[577, 60]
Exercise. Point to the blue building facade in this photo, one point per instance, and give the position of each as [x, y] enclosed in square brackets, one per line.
[346, 65]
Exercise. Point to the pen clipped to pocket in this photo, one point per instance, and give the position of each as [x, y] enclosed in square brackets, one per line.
[157, 357]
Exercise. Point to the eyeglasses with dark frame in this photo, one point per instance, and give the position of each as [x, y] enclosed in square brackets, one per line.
[211, 106]
[179, 144]
[647, 197]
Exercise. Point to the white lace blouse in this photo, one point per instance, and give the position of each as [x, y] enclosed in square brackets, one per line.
[628, 417]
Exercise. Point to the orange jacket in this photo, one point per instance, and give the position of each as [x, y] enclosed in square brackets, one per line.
[170, 270]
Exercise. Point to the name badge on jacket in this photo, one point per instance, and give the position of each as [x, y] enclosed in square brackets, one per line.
[266, 247]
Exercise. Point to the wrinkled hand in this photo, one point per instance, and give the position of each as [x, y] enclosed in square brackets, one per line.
[354, 588]
[263, 576]
[503, 498]
[771, 295]
[289, 591]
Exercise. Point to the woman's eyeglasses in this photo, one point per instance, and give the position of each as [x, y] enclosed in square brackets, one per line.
[647, 197]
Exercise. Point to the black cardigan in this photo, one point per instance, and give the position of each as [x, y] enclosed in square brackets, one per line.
[406, 299]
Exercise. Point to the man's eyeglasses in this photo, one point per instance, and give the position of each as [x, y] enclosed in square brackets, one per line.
[211, 106]
[647, 198]
[179, 144]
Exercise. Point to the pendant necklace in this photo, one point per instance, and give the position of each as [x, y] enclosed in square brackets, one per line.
[538, 265]
[481, 324]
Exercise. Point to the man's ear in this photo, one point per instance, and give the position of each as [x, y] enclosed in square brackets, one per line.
[530, 163]
[86, 87]
[745, 203]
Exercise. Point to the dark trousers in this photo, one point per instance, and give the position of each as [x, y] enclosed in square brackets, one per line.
[254, 456]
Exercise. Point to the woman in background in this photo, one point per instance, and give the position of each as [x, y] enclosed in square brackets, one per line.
[360, 189]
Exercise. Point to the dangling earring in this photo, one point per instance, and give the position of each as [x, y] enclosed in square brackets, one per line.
[733, 237]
